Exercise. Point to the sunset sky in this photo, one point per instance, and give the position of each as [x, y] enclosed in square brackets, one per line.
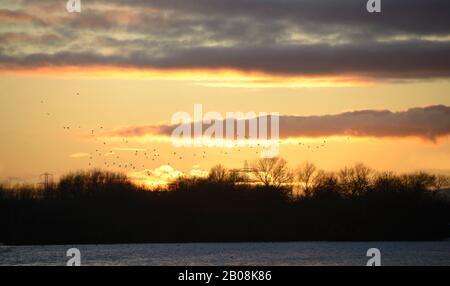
[88, 90]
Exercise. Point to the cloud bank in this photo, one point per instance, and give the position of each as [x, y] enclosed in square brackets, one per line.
[410, 39]
[427, 123]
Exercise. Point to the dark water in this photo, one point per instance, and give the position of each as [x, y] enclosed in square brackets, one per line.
[277, 253]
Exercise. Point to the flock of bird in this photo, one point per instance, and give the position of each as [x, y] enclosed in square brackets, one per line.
[106, 156]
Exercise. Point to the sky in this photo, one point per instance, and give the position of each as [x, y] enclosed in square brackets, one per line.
[98, 89]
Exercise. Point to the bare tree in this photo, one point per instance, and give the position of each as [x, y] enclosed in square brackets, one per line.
[272, 172]
[326, 185]
[419, 181]
[355, 180]
[218, 174]
[305, 174]
[441, 182]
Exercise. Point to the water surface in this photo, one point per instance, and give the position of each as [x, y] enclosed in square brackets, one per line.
[192, 254]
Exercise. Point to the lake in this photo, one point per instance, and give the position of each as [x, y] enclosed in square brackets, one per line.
[221, 254]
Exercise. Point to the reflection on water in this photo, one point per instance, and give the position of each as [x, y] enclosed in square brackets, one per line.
[277, 253]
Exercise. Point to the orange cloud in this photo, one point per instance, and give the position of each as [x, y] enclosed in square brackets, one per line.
[14, 16]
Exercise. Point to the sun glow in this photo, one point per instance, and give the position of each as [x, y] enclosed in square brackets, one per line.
[201, 77]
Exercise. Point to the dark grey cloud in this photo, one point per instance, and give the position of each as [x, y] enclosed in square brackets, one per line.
[413, 16]
[409, 39]
[408, 16]
[389, 60]
[426, 59]
[428, 123]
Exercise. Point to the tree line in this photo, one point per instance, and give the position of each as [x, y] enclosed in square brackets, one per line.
[270, 202]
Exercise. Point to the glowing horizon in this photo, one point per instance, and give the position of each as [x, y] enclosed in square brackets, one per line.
[97, 89]
[202, 77]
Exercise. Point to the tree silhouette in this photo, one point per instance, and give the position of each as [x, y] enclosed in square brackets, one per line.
[354, 203]
[272, 172]
[355, 180]
[441, 182]
[305, 175]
